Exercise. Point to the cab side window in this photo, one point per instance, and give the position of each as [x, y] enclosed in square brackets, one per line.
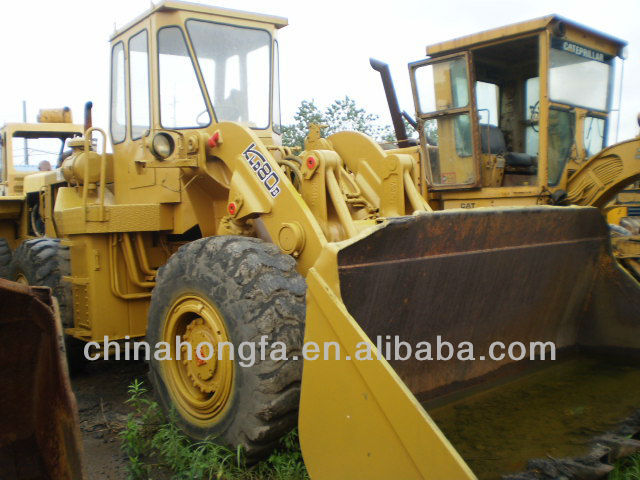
[139, 84]
[118, 99]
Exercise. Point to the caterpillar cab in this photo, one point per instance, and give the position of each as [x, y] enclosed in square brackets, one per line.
[200, 227]
[536, 94]
[519, 115]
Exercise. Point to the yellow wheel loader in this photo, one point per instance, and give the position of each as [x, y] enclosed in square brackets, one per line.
[200, 227]
[27, 149]
[518, 115]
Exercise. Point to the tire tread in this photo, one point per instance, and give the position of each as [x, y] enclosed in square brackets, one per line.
[261, 287]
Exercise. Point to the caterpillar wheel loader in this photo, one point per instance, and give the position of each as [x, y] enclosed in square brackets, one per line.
[518, 115]
[25, 149]
[201, 226]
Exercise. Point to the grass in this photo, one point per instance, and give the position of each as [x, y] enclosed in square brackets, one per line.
[627, 469]
[157, 449]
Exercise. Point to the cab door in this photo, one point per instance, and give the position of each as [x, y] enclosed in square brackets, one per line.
[445, 107]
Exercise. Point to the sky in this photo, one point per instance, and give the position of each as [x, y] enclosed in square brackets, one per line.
[57, 53]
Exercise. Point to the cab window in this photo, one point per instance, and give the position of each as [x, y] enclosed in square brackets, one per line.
[593, 134]
[118, 105]
[532, 115]
[32, 153]
[579, 75]
[561, 135]
[442, 85]
[139, 84]
[236, 66]
[442, 90]
[182, 104]
[487, 98]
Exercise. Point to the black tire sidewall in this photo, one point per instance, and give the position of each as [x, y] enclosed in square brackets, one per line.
[7, 268]
[199, 268]
[26, 261]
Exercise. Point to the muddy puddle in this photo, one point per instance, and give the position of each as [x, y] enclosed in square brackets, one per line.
[555, 411]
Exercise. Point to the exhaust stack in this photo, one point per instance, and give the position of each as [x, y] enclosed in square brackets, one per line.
[88, 121]
[392, 101]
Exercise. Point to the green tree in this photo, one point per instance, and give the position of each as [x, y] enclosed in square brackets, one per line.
[308, 112]
[342, 114]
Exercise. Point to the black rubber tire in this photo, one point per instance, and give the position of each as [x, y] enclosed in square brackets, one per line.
[43, 262]
[6, 263]
[258, 292]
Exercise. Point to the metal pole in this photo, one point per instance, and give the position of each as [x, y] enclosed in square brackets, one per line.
[26, 146]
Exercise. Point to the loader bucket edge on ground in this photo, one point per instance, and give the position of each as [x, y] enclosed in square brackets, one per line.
[513, 274]
[39, 427]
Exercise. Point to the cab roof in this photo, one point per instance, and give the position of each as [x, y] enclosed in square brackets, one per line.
[35, 130]
[516, 29]
[172, 5]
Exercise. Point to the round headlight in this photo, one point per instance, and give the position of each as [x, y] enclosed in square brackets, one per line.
[162, 145]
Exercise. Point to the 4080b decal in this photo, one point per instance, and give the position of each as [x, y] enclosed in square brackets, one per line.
[262, 169]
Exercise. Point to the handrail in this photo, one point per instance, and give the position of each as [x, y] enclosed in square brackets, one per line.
[103, 170]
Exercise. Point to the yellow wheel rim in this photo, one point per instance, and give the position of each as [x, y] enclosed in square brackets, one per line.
[20, 278]
[202, 385]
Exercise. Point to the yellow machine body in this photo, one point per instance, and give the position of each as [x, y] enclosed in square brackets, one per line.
[192, 159]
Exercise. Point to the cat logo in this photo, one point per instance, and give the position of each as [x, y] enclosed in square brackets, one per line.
[468, 205]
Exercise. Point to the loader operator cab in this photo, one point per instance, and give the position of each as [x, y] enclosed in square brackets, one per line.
[515, 106]
[186, 66]
[176, 72]
[28, 148]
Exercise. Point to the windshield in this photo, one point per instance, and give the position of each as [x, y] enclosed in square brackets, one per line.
[236, 65]
[36, 154]
[579, 75]
[182, 103]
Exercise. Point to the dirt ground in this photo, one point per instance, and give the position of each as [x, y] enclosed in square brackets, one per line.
[101, 391]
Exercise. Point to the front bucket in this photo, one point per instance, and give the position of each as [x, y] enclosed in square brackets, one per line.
[39, 426]
[521, 275]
